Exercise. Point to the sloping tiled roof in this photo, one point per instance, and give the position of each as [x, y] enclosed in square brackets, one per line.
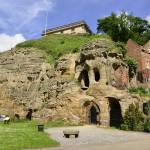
[75, 24]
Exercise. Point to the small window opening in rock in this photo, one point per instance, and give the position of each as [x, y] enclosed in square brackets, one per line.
[115, 66]
[97, 74]
[35, 110]
[42, 79]
[30, 78]
[84, 79]
[104, 55]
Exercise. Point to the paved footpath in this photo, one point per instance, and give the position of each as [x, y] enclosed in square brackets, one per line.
[93, 138]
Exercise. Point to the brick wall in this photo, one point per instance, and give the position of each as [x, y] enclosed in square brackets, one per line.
[142, 56]
[121, 77]
[134, 51]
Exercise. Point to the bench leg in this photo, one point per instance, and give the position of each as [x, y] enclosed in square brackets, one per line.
[76, 135]
[67, 135]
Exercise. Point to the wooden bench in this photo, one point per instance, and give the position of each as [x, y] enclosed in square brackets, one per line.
[68, 133]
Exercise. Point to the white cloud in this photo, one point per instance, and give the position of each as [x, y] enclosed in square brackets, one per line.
[7, 42]
[16, 14]
[148, 18]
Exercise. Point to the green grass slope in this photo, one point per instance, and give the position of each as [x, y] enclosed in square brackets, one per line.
[56, 45]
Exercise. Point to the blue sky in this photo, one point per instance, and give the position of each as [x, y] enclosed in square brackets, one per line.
[25, 19]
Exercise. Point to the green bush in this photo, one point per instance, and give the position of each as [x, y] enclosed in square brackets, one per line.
[147, 124]
[133, 117]
[132, 64]
[122, 48]
[138, 90]
[140, 126]
[124, 127]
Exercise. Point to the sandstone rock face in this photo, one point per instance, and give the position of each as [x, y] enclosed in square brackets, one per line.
[86, 87]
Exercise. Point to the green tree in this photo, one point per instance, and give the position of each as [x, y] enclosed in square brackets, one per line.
[133, 117]
[125, 26]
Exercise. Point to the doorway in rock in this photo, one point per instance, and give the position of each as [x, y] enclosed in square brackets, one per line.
[94, 113]
[84, 79]
[115, 113]
[97, 74]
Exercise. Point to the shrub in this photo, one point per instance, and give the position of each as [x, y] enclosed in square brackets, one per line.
[140, 126]
[147, 124]
[147, 127]
[138, 90]
[122, 48]
[132, 64]
[133, 117]
[124, 127]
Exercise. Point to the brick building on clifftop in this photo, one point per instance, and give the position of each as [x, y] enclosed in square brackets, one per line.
[142, 55]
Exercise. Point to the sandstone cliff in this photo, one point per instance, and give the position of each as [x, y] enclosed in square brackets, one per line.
[94, 77]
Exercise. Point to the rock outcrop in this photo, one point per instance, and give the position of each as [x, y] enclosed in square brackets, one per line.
[86, 87]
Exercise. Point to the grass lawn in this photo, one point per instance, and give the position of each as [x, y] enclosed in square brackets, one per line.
[24, 134]
[56, 45]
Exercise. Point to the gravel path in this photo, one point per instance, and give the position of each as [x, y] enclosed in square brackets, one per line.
[94, 135]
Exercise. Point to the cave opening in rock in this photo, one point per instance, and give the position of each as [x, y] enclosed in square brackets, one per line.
[84, 79]
[146, 108]
[115, 113]
[94, 112]
[97, 74]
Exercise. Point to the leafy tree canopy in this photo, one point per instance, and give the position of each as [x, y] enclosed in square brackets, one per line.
[125, 26]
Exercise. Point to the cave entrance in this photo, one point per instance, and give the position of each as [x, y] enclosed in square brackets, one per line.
[94, 113]
[146, 108]
[97, 74]
[115, 113]
[84, 79]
